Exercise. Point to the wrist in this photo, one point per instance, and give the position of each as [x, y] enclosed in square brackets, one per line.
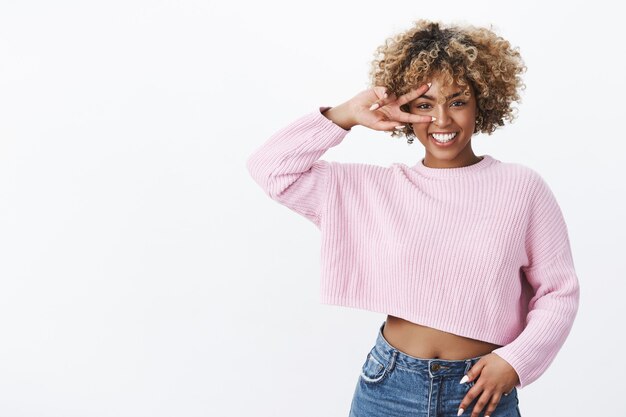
[341, 116]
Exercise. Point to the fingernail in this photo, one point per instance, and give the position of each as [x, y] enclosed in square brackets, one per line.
[429, 84]
[399, 127]
[385, 95]
[464, 379]
[433, 118]
[374, 106]
[460, 412]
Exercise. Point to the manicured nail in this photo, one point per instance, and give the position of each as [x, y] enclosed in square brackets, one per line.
[464, 379]
[374, 106]
[385, 95]
[399, 127]
[460, 412]
[429, 84]
[433, 118]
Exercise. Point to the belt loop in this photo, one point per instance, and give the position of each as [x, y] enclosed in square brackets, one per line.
[468, 363]
[392, 363]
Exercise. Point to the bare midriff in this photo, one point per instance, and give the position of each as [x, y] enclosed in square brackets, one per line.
[428, 343]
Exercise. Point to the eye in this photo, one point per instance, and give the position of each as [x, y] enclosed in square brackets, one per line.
[420, 106]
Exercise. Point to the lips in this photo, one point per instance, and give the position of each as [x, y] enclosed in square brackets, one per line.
[443, 144]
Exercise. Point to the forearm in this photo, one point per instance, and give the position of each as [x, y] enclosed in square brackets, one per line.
[549, 321]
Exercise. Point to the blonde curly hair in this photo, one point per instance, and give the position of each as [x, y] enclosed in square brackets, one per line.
[475, 58]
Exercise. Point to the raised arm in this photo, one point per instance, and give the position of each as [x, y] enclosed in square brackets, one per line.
[288, 165]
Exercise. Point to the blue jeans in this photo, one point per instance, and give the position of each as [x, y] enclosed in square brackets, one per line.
[395, 384]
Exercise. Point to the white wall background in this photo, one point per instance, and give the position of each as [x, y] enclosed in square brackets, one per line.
[144, 273]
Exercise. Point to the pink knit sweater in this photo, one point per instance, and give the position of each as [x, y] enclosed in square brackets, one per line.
[481, 251]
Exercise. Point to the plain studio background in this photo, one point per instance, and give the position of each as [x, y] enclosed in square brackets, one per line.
[144, 273]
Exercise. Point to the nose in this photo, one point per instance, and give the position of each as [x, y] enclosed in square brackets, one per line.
[443, 119]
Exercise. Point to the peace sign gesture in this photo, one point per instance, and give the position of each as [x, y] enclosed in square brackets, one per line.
[385, 113]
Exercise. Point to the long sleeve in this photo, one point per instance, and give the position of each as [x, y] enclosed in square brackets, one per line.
[551, 274]
[288, 168]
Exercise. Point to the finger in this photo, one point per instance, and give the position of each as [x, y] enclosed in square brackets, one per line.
[475, 371]
[491, 407]
[391, 126]
[381, 93]
[391, 98]
[468, 399]
[481, 403]
[405, 117]
[413, 94]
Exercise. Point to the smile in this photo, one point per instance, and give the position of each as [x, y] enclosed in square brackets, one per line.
[443, 138]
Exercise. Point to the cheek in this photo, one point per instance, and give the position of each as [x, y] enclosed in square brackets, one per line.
[467, 119]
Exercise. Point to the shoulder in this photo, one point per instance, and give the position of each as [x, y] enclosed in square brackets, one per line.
[517, 168]
[539, 193]
[533, 180]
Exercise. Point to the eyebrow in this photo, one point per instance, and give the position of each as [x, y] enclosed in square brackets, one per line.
[458, 93]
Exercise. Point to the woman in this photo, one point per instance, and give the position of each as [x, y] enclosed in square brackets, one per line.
[467, 255]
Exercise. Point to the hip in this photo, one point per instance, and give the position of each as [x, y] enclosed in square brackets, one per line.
[393, 383]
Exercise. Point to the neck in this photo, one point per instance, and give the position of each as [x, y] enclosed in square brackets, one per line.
[459, 161]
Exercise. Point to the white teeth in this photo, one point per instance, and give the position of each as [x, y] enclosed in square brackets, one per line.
[444, 138]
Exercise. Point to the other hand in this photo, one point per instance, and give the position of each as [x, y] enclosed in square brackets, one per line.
[497, 377]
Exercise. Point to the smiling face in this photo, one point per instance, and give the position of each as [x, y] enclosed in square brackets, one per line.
[456, 113]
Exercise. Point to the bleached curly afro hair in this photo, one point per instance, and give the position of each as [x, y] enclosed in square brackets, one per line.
[474, 57]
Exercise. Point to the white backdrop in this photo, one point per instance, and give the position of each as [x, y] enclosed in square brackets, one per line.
[144, 273]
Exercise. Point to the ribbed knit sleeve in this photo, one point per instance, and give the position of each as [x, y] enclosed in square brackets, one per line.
[550, 272]
[288, 168]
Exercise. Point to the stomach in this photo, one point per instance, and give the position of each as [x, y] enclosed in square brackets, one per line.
[428, 343]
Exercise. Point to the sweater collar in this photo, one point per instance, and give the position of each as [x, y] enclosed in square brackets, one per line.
[426, 171]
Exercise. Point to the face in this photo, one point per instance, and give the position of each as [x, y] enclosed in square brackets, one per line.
[456, 114]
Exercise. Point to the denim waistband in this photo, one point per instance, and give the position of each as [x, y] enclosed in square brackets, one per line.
[386, 353]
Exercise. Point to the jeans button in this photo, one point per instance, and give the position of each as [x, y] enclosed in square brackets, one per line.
[435, 367]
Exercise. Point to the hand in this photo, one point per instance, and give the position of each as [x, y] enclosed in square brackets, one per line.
[497, 377]
[388, 114]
